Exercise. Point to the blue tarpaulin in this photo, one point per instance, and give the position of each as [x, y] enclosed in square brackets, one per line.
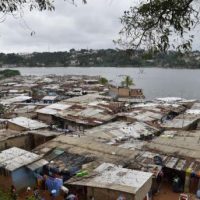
[54, 184]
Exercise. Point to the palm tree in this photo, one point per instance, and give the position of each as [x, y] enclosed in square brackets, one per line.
[127, 82]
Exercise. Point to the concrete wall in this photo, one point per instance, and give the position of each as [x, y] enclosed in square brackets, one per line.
[121, 91]
[124, 92]
[45, 118]
[136, 93]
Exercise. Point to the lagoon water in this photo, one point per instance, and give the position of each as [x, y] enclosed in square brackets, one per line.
[156, 82]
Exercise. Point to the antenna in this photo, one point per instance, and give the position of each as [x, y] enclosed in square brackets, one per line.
[183, 111]
[183, 119]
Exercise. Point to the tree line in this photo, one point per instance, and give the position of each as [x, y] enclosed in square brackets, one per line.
[102, 57]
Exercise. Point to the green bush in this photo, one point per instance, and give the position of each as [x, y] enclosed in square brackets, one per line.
[9, 73]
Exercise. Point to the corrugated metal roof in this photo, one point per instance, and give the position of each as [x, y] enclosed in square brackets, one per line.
[14, 158]
[86, 115]
[146, 158]
[51, 98]
[183, 143]
[181, 121]
[121, 130]
[85, 99]
[195, 109]
[53, 109]
[148, 116]
[15, 99]
[28, 123]
[59, 106]
[89, 112]
[114, 177]
[47, 111]
[170, 99]
[37, 164]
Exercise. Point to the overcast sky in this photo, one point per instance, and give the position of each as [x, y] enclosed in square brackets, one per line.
[93, 25]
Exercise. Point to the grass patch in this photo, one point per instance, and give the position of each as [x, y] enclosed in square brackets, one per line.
[4, 196]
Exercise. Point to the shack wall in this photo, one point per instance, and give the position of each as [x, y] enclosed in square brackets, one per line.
[22, 142]
[45, 118]
[15, 127]
[22, 178]
[143, 191]
[5, 182]
[74, 126]
[107, 194]
[40, 139]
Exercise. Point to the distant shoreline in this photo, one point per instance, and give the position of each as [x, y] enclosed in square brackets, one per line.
[127, 66]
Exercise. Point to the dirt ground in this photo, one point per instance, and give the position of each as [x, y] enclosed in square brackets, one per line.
[166, 193]
[44, 194]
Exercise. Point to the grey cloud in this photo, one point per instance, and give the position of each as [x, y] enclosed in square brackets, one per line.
[94, 25]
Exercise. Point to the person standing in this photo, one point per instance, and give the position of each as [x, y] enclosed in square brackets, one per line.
[53, 194]
[13, 192]
[91, 198]
[121, 197]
